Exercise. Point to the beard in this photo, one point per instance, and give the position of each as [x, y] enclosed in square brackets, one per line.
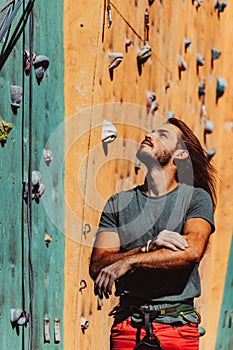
[150, 159]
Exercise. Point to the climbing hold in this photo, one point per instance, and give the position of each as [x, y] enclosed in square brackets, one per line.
[19, 317]
[109, 132]
[41, 64]
[201, 331]
[143, 54]
[47, 336]
[16, 97]
[5, 128]
[220, 87]
[197, 3]
[211, 153]
[215, 54]
[82, 285]
[187, 43]
[37, 187]
[203, 110]
[128, 43]
[146, 26]
[109, 11]
[150, 98]
[182, 65]
[57, 332]
[208, 126]
[170, 114]
[115, 58]
[26, 61]
[220, 6]
[100, 303]
[86, 229]
[48, 239]
[48, 156]
[150, 2]
[84, 324]
[201, 89]
[200, 59]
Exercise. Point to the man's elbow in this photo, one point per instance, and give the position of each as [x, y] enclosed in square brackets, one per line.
[195, 256]
[92, 271]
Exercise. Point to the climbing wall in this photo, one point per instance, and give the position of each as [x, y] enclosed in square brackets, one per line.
[78, 95]
[46, 288]
[94, 93]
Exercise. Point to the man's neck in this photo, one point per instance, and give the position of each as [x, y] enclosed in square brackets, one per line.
[158, 183]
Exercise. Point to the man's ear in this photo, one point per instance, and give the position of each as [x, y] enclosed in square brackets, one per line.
[180, 154]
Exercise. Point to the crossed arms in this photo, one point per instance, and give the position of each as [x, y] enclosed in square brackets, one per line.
[169, 250]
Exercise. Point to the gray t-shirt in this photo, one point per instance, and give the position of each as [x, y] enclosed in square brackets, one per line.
[137, 217]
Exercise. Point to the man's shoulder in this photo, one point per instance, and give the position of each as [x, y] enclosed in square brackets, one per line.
[125, 194]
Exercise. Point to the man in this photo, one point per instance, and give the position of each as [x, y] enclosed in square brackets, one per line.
[151, 239]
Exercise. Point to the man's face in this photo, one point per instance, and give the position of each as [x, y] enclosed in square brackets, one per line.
[158, 146]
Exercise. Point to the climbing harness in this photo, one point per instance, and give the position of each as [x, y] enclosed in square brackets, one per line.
[145, 315]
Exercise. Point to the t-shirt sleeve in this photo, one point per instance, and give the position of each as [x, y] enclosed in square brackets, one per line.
[108, 219]
[201, 206]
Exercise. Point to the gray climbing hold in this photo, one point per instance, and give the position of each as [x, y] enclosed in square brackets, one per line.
[37, 187]
[41, 64]
[16, 97]
[143, 54]
[220, 6]
[215, 54]
[220, 86]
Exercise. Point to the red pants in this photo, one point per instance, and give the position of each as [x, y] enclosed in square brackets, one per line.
[185, 337]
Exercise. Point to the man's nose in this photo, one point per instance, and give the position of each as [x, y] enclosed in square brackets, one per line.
[148, 137]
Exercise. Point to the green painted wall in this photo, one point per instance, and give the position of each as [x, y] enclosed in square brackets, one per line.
[47, 115]
[225, 327]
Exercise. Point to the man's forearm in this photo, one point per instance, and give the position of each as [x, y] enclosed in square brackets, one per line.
[164, 259]
[101, 260]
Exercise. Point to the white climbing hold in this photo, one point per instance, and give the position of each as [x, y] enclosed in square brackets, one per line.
[109, 132]
[150, 98]
[181, 63]
[200, 59]
[84, 323]
[48, 156]
[187, 43]
[208, 126]
[115, 58]
[18, 317]
[170, 114]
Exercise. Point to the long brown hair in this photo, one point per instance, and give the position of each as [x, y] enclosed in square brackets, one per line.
[198, 171]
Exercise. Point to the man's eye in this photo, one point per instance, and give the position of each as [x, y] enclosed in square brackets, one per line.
[152, 131]
[163, 134]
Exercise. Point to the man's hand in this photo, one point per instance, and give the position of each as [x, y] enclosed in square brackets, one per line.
[167, 239]
[107, 276]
